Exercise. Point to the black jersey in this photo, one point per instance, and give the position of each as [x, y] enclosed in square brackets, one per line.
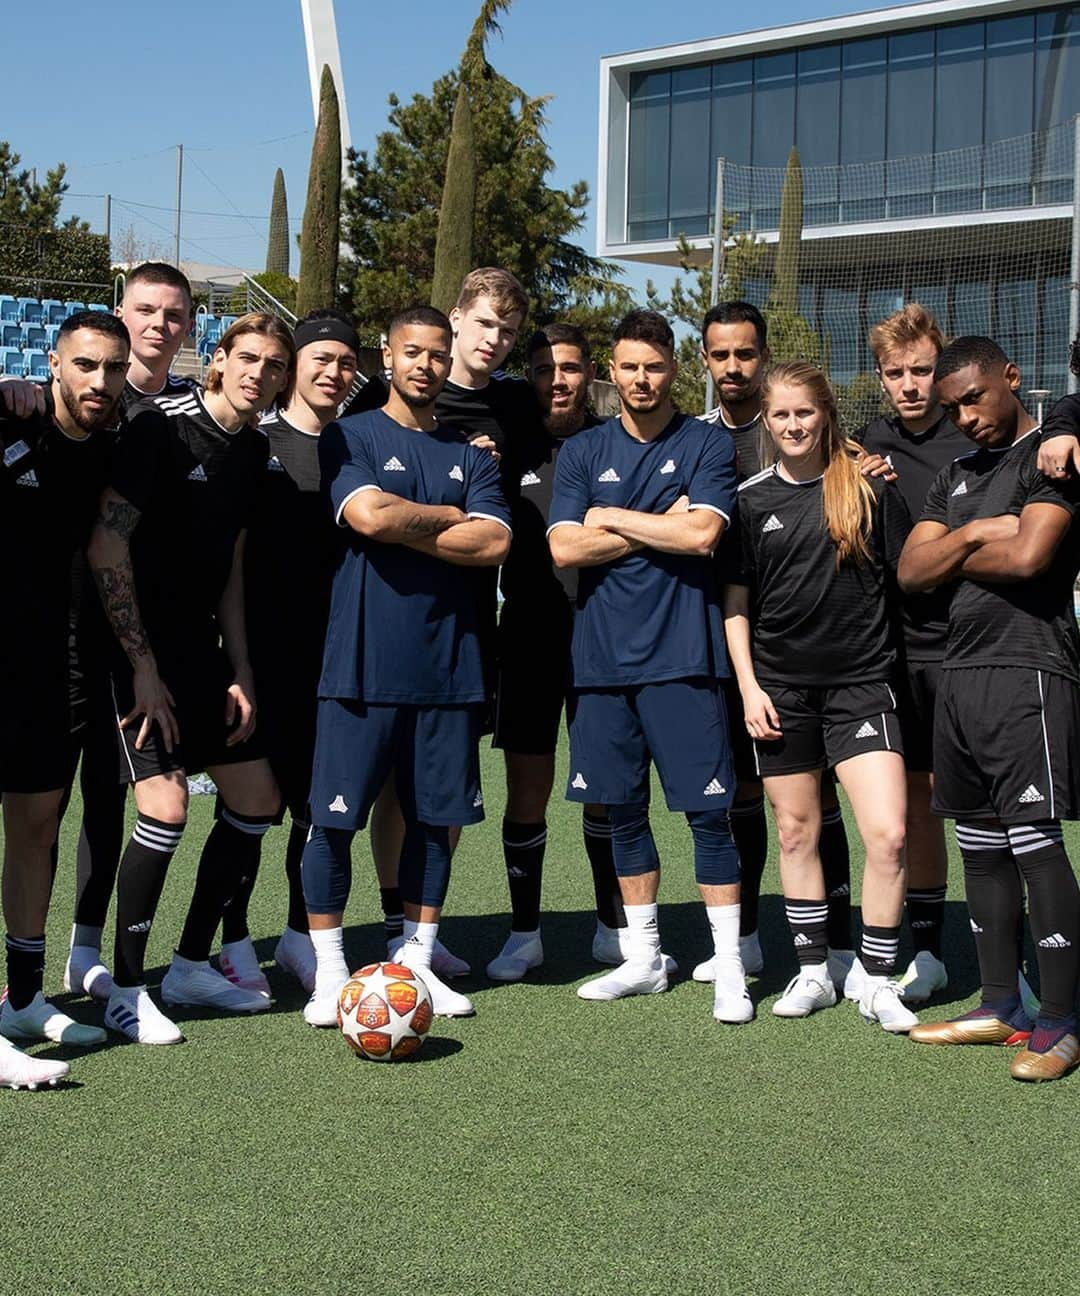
[1063, 419]
[528, 573]
[1018, 623]
[174, 386]
[749, 460]
[917, 458]
[194, 485]
[816, 623]
[291, 551]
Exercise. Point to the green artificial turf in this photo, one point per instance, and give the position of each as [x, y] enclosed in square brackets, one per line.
[545, 1146]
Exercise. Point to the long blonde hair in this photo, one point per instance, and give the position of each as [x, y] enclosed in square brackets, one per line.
[847, 498]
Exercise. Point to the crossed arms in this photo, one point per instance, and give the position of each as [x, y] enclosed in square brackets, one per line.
[439, 530]
[611, 533]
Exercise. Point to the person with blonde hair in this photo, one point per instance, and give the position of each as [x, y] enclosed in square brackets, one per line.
[807, 616]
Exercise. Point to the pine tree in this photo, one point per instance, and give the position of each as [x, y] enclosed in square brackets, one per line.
[320, 234]
[277, 244]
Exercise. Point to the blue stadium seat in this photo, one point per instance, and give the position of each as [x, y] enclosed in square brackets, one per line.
[227, 321]
[51, 330]
[11, 335]
[33, 337]
[52, 311]
[9, 309]
[97, 306]
[29, 310]
[37, 365]
[71, 307]
[11, 362]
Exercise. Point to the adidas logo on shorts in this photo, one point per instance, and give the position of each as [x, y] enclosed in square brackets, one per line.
[198, 473]
[27, 479]
[275, 464]
[866, 730]
[578, 782]
[393, 464]
[961, 489]
[669, 467]
[1057, 941]
[610, 475]
[338, 805]
[976, 929]
[714, 788]
[530, 479]
[1030, 795]
[772, 523]
[456, 474]
[15, 452]
[478, 800]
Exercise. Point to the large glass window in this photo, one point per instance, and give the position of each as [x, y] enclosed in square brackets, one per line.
[862, 129]
[817, 130]
[732, 126]
[909, 135]
[650, 131]
[958, 117]
[1057, 98]
[774, 132]
[690, 199]
[1010, 90]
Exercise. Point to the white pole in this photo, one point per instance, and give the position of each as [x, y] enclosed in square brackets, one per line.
[717, 262]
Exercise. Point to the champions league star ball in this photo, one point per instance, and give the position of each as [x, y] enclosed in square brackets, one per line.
[384, 1012]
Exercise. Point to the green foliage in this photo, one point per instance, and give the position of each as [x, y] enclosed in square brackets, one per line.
[454, 237]
[277, 242]
[24, 204]
[785, 285]
[320, 234]
[277, 285]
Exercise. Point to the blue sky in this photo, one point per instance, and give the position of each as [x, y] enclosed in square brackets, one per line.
[229, 81]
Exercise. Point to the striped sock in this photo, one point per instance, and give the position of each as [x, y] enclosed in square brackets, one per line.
[523, 850]
[879, 949]
[138, 889]
[25, 968]
[230, 856]
[808, 922]
[926, 915]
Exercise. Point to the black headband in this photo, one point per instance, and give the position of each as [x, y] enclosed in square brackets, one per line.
[326, 330]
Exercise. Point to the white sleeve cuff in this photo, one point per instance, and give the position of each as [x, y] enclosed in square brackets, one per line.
[563, 522]
[339, 516]
[712, 509]
[490, 517]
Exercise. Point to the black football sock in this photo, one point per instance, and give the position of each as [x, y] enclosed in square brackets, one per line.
[138, 890]
[101, 840]
[751, 835]
[25, 969]
[926, 916]
[877, 951]
[230, 856]
[609, 905]
[836, 866]
[393, 913]
[1054, 913]
[994, 906]
[808, 922]
[523, 850]
[294, 854]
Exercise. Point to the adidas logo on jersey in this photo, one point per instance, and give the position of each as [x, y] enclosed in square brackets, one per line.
[198, 473]
[1030, 795]
[338, 805]
[275, 464]
[578, 782]
[772, 523]
[866, 730]
[609, 476]
[478, 800]
[27, 479]
[714, 788]
[1057, 941]
[15, 452]
[456, 474]
[961, 489]
[393, 464]
[530, 479]
[801, 941]
[669, 467]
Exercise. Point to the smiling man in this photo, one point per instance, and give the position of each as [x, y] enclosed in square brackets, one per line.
[1007, 723]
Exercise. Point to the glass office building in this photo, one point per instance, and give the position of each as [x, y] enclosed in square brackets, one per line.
[937, 143]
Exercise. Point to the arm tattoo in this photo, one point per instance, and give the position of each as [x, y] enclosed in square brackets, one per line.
[119, 516]
[418, 525]
[116, 585]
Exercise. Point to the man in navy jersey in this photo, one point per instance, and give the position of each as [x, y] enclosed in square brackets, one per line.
[734, 348]
[639, 506]
[1007, 723]
[534, 664]
[402, 688]
[54, 466]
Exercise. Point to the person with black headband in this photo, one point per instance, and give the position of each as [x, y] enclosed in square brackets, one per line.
[292, 550]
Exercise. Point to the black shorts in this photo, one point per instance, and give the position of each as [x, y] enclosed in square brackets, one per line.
[287, 735]
[534, 670]
[742, 745]
[198, 683]
[38, 748]
[918, 689]
[1006, 745]
[823, 726]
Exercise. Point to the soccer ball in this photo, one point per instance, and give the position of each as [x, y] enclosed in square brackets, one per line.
[384, 1012]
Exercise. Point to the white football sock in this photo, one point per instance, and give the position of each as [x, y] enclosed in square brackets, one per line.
[329, 946]
[642, 934]
[727, 962]
[420, 942]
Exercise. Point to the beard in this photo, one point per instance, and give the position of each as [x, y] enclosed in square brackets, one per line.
[414, 400]
[562, 422]
[83, 417]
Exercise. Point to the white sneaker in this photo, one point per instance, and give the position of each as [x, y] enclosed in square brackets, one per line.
[841, 962]
[199, 985]
[444, 1001]
[855, 981]
[240, 964]
[41, 1020]
[85, 973]
[132, 1013]
[322, 1008]
[732, 1003]
[629, 978]
[605, 946]
[882, 1001]
[753, 960]
[18, 1071]
[295, 954]
[445, 964]
[806, 993]
[925, 974]
[522, 952]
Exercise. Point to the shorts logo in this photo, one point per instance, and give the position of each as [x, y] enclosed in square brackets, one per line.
[960, 490]
[338, 805]
[456, 474]
[714, 788]
[478, 800]
[866, 730]
[772, 523]
[578, 782]
[669, 467]
[610, 475]
[275, 464]
[15, 452]
[1030, 795]
[1057, 941]
[27, 479]
[975, 927]
[530, 479]
[198, 473]
[393, 464]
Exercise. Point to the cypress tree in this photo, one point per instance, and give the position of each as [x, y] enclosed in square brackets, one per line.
[277, 243]
[454, 239]
[320, 233]
[785, 286]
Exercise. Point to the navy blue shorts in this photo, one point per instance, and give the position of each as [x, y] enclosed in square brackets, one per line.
[679, 725]
[433, 753]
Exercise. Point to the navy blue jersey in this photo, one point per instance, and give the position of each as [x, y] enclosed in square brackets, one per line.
[403, 625]
[648, 616]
